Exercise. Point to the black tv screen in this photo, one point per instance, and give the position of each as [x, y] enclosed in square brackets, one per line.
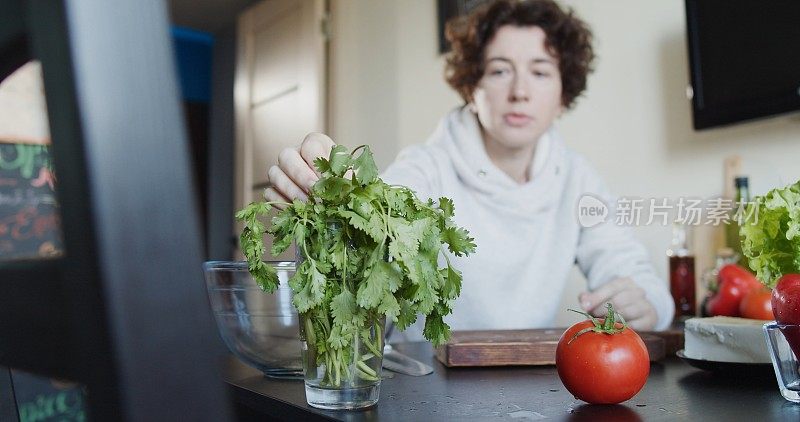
[744, 59]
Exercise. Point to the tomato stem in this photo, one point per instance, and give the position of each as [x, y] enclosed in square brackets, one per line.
[607, 326]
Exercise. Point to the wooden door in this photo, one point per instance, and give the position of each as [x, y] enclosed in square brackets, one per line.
[280, 88]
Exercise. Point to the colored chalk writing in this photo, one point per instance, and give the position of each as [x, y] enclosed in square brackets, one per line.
[30, 225]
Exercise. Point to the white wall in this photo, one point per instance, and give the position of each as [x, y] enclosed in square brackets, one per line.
[386, 76]
[633, 123]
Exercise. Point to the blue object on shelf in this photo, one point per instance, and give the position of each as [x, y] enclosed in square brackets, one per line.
[193, 57]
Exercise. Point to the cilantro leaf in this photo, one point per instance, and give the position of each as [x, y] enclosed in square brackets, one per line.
[396, 198]
[332, 188]
[312, 291]
[382, 278]
[252, 244]
[446, 206]
[407, 315]
[452, 282]
[323, 166]
[373, 227]
[389, 306]
[343, 307]
[436, 330]
[340, 160]
[364, 167]
[458, 241]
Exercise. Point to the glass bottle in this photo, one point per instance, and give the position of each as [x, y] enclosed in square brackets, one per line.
[741, 198]
[681, 273]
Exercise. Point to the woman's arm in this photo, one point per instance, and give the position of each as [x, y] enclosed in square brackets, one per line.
[619, 270]
[294, 174]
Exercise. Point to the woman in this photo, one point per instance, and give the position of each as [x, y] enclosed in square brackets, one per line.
[518, 66]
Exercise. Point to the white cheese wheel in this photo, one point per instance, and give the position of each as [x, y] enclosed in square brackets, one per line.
[726, 339]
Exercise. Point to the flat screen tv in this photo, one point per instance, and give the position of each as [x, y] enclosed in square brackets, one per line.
[744, 59]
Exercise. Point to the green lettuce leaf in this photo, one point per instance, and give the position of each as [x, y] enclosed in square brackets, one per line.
[771, 234]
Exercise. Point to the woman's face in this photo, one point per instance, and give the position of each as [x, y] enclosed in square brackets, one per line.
[519, 95]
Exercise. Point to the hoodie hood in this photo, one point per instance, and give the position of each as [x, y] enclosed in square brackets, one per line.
[459, 135]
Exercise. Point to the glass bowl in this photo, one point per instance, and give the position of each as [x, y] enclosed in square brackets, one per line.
[783, 341]
[260, 328]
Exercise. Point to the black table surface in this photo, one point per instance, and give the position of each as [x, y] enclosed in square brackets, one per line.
[674, 391]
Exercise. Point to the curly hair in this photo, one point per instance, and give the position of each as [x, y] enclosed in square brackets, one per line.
[569, 40]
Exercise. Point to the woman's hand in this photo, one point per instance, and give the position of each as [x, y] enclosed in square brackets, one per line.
[628, 299]
[295, 174]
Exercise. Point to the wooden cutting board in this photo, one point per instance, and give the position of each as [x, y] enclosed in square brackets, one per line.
[516, 347]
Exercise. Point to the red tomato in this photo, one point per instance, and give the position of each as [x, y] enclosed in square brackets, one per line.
[786, 307]
[735, 283]
[739, 274]
[786, 300]
[602, 368]
[757, 305]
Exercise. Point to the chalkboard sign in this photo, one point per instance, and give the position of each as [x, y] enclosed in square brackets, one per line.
[29, 217]
[30, 228]
[41, 399]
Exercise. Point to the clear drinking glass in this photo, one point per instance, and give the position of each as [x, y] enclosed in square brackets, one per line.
[784, 360]
[345, 379]
[260, 328]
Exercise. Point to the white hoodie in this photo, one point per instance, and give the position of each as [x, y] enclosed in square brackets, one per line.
[528, 235]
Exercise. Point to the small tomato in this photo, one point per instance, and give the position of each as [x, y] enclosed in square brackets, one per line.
[757, 304]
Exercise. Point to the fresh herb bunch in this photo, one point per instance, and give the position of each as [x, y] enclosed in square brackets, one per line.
[771, 234]
[368, 250]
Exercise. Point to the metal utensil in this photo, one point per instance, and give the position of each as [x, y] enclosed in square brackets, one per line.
[400, 363]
